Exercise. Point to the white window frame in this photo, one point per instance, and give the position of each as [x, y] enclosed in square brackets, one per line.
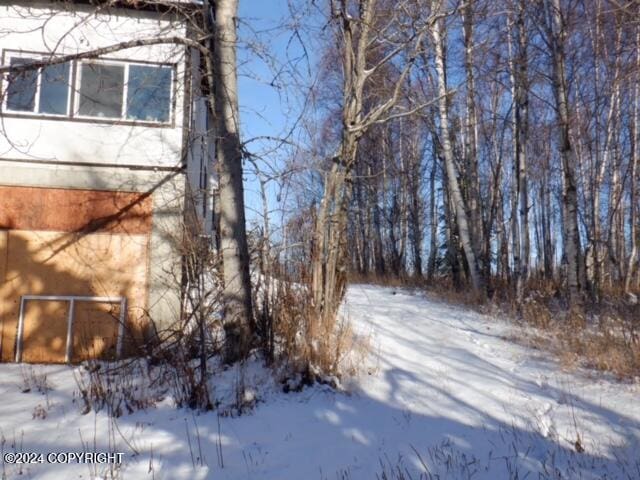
[72, 299]
[36, 104]
[73, 97]
[125, 91]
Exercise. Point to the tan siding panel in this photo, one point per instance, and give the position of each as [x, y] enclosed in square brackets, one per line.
[53, 263]
[95, 331]
[4, 237]
[45, 331]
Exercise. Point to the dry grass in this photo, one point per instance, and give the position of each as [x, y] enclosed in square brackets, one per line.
[612, 346]
[303, 347]
[602, 335]
[444, 291]
[387, 280]
[33, 379]
[116, 389]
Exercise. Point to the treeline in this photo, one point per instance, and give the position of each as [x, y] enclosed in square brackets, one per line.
[488, 143]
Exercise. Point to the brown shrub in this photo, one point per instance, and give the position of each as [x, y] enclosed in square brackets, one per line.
[601, 335]
[296, 339]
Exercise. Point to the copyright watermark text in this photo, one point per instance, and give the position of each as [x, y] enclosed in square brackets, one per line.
[62, 457]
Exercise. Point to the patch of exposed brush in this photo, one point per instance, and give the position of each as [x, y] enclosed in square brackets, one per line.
[604, 335]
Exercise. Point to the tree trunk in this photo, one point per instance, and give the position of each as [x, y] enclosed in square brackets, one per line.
[520, 198]
[452, 237]
[378, 250]
[238, 317]
[433, 216]
[571, 234]
[477, 282]
[471, 134]
[633, 174]
[522, 135]
[414, 180]
[545, 203]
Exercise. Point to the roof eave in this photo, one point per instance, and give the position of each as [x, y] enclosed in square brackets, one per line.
[161, 6]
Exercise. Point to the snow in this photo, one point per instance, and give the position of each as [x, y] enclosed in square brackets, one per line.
[441, 391]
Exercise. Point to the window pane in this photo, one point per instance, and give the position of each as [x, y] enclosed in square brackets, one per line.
[149, 93]
[21, 93]
[101, 90]
[54, 89]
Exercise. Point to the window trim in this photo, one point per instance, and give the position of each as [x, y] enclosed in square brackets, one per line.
[74, 91]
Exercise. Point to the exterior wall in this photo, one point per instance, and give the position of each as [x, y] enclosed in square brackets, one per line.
[60, 30]
[169, 165]
[67, 263]
[94, 251]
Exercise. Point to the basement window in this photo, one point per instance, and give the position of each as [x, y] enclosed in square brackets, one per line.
[43, 90]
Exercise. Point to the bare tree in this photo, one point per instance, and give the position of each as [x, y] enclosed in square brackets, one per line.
[238, 315]
[359, 36]
[556, 33]
[634, 173]
[521, 126]
[438, 33]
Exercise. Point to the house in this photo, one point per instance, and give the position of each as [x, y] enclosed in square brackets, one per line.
[102, 161]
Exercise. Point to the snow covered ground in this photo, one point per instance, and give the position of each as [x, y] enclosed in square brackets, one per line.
[442, 394]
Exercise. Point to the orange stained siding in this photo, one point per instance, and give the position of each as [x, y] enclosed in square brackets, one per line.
[95, 330]
[65, 210]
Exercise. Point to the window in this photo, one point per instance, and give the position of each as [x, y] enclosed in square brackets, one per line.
[101, 90]
[149, 93]
[105, 89]
[54, 89]
[43, 90]
[145, 95]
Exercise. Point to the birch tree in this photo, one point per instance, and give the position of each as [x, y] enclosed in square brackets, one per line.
[634, 173]
[360, 29]
[520, 127]
[453, 175]
[571, 236]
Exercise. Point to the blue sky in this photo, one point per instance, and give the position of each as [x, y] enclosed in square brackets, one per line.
[268, 105]
[262, 112]
[259, 101]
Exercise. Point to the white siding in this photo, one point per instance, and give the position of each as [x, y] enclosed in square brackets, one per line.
[40, 28]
